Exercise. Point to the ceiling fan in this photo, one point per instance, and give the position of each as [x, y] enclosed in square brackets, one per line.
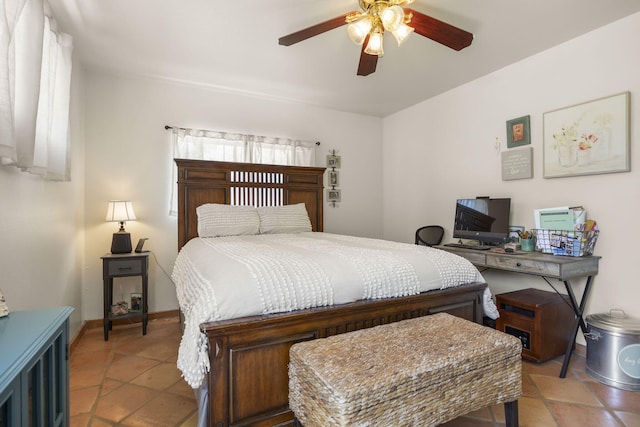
[367, 27]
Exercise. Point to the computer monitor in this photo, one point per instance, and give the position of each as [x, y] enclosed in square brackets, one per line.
[483, 219]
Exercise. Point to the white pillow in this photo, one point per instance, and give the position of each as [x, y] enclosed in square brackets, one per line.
[215, 220]
[284, 219]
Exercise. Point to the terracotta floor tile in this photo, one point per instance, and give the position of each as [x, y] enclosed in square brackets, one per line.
[565, 390]
[133, 381]
[86, 376]
[110, 385]
[572, 415]
[159, 377]
[126, 400]
[182, 388]
[163, 411]
[82, 400]
[622, 400]
[482, 414]
[81, 420]
[165, 351]
[191, 422]
[467, 422]
[129, 367]
[97, 422]
[529, 389]
[134, 346]
[81, 359]
[550, 368]
[629, 419]
[534, 413]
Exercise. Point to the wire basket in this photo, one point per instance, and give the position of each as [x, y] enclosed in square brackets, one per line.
[569, 243]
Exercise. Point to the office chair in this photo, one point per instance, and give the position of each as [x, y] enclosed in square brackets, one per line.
[430, 235]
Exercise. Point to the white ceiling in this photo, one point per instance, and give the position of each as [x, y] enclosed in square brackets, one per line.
[233, 45]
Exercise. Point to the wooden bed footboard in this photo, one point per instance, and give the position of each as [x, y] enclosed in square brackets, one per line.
[248, 383]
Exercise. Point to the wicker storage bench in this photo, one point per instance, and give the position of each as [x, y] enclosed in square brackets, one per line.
[417, 372]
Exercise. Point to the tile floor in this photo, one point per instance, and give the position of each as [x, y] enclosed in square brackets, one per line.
[132, 380]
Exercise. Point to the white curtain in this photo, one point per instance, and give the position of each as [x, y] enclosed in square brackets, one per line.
[11, 11]
[34, 120]
[235, 147]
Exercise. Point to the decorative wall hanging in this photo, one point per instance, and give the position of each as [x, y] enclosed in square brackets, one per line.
[588, 138]
[517, 164]
[333, 178]
[518, 132]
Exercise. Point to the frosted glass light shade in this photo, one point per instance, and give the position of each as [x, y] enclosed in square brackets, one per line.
[374, 47]
[392, 17]
[359, 29]
[402, 33]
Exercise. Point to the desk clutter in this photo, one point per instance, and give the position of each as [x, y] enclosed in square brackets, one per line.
[564, 231]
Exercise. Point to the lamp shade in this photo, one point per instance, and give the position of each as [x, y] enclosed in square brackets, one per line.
[120, 210]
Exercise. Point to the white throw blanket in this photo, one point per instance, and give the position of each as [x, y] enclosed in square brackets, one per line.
[229, 277]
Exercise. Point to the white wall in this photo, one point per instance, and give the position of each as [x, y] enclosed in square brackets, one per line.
[445, 148]
[41, 224]
[129, 156]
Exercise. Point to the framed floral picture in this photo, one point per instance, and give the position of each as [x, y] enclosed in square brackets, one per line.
[588, 138]
[518, 132]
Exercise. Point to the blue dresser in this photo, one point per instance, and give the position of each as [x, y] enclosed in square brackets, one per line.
[34, 368]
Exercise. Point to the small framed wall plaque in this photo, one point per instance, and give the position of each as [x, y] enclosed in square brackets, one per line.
[518, 132]
[517, 164]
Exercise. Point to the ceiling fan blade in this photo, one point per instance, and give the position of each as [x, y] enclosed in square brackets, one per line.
[439, 31]
[368, 63]
[314, 30]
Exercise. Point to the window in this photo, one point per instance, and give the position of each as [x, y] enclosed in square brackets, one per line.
[35, 81]
[234, 147]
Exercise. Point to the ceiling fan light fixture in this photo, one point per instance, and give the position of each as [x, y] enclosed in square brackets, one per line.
[374, 47]
[402, 33]
[392, 17]
[359, 29]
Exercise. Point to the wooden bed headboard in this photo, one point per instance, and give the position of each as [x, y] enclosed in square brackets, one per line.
[202, 181]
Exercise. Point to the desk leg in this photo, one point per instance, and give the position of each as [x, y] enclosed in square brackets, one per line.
[578, 310]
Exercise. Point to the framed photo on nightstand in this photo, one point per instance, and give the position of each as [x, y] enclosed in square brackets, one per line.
[136, 302]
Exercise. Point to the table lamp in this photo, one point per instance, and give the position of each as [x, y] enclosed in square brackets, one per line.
[120, 211]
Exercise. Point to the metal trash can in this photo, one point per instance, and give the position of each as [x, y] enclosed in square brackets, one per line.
[613, 349]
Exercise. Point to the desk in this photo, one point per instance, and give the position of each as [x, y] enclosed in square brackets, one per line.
[563, 268]
[124, 265]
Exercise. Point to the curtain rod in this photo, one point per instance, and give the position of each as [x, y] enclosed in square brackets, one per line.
[167, 127]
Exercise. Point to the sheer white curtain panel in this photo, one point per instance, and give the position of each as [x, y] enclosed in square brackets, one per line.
[236, 147]
[11, 11]
[35, 133]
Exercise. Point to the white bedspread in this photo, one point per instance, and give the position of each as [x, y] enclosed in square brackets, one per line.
[228, 277]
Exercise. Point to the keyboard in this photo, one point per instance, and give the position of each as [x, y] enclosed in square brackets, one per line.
[460, 245]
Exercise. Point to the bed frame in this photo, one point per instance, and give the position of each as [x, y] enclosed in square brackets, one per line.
[248, 384]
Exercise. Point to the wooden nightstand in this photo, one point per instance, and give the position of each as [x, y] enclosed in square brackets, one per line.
[124, 265]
